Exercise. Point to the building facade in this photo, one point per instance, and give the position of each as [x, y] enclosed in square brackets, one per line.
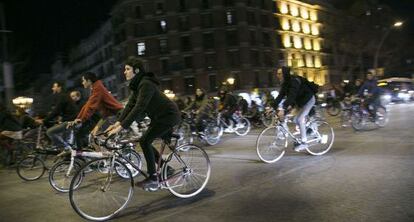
[191, 44]
[299, 31]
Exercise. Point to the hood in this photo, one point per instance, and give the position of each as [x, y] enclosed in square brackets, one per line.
[133, 85]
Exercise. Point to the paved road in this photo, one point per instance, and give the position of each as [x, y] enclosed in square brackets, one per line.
[367, 176]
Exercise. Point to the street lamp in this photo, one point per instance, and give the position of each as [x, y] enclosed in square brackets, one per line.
[23, 102]
[230, 80]
[396, 25]
[169, 93]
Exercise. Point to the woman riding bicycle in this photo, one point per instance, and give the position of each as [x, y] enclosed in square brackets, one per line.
[296, 92]
[147, 99]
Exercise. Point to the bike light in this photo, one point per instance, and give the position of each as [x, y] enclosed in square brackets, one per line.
[324, 139]
[324, 104]
[321, 95]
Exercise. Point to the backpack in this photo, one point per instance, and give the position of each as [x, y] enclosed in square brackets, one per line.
[311, 85]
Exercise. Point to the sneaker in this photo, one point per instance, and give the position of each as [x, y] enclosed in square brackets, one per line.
[229, 130]
[149, 184]
[300, 147]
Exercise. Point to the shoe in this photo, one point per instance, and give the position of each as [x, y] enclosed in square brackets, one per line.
[300, 147]
[150, 184]
[229, 130]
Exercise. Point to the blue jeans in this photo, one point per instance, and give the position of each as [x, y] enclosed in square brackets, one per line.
[300, 118]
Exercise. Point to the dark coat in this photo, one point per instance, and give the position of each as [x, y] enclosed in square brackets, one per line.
[147, 99]
[295, 90]
[8, 122]
[64, 107]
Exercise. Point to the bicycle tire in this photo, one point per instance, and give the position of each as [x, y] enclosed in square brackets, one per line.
[32, 163]
[271, 146]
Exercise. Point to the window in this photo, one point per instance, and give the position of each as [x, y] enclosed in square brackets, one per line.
[163, 45]
[138, 12]
[165, 67]
[189, 85]
[266, 39]
[212, 82]
[141, 48]
[183, 23]
[167, 84]
[251, 18]
[254, 58]
[205, 4]
[252, 36]
[230, 18]
[208, 40]
[270, 79]
[188, 62]
[268, 60]
[163, 26]
[232, 38]
[228, 2]
[183, 5]
[206, 20]
[256, 80]
[233, 58]
[185, 43]
[263, 4]
[139, 29]
[160, 8]
[250, 2]
[265, 20]
[210, 61]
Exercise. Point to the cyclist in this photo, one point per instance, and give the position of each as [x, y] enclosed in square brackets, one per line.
[200, 107]
[100, 103]
[228, 107]
[147, 99]
[371, 91]
[296, 93]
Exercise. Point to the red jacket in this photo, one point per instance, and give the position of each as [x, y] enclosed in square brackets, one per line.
[100, 100]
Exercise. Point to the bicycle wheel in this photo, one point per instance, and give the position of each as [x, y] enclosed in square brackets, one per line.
[134, 158]
[334, 110]
[185, 133]
[357, 121]
[267, 119]
[186, 171]
[382, 117]
[345, 118]
[31, 168]
[320, 138]
[100, 195]
[212, 133]
[271, 144]
[59, 178]
[242, 127]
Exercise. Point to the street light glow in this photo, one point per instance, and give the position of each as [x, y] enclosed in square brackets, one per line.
[398, 24]
[231, 80]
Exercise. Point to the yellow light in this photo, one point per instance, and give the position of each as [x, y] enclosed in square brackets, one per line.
[304, 12]
[284, 8]
[313, 15]
[289, 59]
[169, 93]
[231, 80]
[297, 42]
[23, 102]
[382, 84]
[305, 27]
[309, 62]
[286, 41]
[308, 44]
[318, 63]
[294, 10]
[315, 30]
[285, 23]
[398, 24]
[316, 45]
[295, 26]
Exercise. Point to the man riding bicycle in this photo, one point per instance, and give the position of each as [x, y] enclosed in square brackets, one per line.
[201, 108]
[228, 107]
[296, 93]
[147, 99]
[371, 91]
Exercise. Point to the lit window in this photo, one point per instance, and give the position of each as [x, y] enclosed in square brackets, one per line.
[297, 42]
[309, 60]
[305, 27]
[304, 13]
[285, 23]
[163, 25]
[313, 15]
[307, 43]
[229, 17]
[286, 41]
[318, 62]
[294, 10]
[316, 45]
[289, 58]
[284, 8]
[295, 26]
[315, 30]
[141, 48]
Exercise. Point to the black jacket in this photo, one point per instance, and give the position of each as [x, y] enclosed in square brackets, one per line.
[295, 90]
[229, 102]
[64, 107]
[8, 122]
[147, 99]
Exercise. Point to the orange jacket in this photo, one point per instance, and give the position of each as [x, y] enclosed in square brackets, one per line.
[100, 100]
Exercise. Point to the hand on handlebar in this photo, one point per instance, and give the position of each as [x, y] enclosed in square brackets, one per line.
[73, 123]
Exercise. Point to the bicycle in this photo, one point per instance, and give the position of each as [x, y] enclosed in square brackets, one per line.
[241, 128]
[61, 174]
[184, 172]
[272, 142]
[361, 116]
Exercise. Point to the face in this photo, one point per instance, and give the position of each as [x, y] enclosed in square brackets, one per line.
[279, 75]
[74, 96]
[56, 88]
[199, 92]
[129, 72]
[369, 76]
[357, 82]
[86, 83]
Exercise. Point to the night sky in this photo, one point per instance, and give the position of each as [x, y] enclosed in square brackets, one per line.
[43, 28]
